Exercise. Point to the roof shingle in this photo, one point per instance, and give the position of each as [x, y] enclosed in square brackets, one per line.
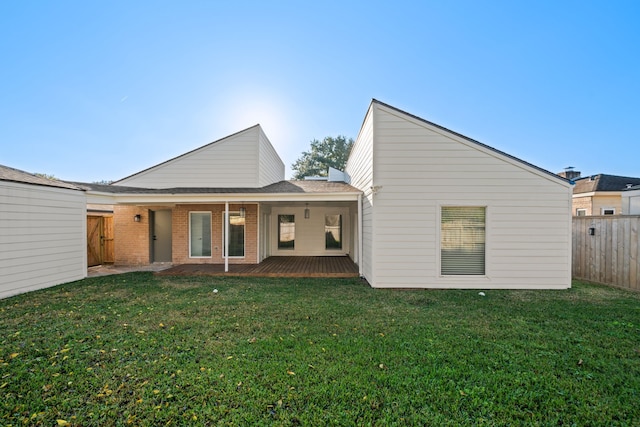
[16, 175]
[603, 182]
[282, 187]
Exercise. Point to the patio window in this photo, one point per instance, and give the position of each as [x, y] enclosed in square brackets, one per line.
[286, 231]
[236, 235]
[199, 234]
[333, 231]
[462, 240]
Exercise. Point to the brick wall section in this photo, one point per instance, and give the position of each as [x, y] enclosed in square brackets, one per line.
[595, 204]
[131, 239]
[582, 203]
[180, 225]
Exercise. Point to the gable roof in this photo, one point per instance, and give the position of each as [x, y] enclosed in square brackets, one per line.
[474, 142]
[603, 182]
[16, 175]
[242, 159]
[185, 154]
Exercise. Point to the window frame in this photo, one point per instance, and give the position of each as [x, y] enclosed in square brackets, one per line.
[581, 210]
[210, 235]
[279, 241]
[340, 237]
[440, 235]
[244, 235]
[603, 211]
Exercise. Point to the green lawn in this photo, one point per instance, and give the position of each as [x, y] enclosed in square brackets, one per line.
[136, 349]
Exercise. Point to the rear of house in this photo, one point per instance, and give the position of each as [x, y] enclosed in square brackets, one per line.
[42, 232]
[228, 203]
[419, 206]
[443, 211]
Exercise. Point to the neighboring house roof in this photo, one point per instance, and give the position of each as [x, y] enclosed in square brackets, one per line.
[502, 153]
[282, 187]
[603, 182]
[16, 175]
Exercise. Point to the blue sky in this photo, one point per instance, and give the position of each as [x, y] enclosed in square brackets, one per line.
[100, 90]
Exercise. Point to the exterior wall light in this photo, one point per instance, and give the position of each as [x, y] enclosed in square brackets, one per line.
[307, 213]
[243, 212]
[137, 217]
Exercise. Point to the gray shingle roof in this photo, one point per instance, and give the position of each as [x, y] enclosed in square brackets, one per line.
[603, 182]
[282, 187]
[16, 175]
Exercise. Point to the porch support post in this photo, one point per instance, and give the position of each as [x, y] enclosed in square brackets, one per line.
[258, 230]
[360, 257]
[226, 237]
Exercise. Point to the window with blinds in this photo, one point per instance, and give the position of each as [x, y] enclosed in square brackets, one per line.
[462, 240]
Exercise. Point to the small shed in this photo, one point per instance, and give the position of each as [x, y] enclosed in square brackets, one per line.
[42, 232]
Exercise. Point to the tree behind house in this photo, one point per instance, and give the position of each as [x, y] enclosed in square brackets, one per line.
[330, 152]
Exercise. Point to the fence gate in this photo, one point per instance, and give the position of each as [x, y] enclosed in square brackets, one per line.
[100, 248]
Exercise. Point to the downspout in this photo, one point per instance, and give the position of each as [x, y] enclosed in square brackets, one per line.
[360, 239]
[226, 237]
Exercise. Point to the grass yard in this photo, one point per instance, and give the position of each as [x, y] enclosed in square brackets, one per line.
[136, 349]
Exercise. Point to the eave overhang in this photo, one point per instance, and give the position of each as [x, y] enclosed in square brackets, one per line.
[597, 193]
[176, 199]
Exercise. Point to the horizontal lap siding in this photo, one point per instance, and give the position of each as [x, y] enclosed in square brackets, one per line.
[271, 167]
[360, 171]
[420, 168]
[232, 162]
[42, 237]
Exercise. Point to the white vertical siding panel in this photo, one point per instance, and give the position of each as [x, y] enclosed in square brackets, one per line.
[42, 237]
[420, 167]
[359, 170]
[230, 162]
[270, 165]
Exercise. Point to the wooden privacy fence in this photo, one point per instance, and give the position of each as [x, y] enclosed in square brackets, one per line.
[606, 249]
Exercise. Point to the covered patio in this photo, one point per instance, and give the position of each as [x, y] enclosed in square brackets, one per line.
[275, 266]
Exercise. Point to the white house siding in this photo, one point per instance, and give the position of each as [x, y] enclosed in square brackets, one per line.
[420, 167]
[309, 232]
[631, 202]
[359, 170]
[229, 162]
[42, 237]
[270, 166]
